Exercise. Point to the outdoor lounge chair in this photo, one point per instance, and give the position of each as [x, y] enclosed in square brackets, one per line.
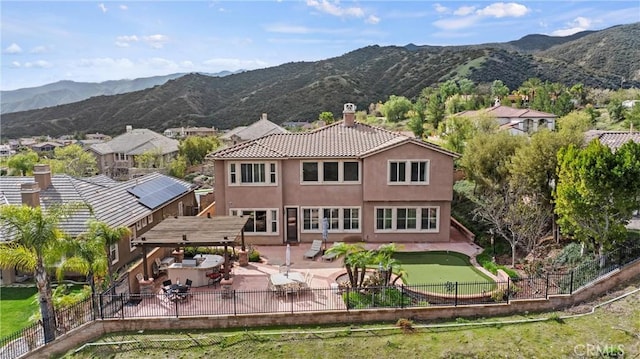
[315, 249]
[329, 257]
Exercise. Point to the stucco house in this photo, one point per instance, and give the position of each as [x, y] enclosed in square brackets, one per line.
[518, 121]
[370, 184]
[119, 158]
[182, 132]
[257, 129]
[138, 204]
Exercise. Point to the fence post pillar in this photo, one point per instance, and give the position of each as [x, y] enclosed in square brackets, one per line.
[508, 288]
[546, 292]
[455, 303]
[235, 308]
[348, 304]
[101, 309]
[122, 305]
[402, 296]
[175, 302]
[571, 283]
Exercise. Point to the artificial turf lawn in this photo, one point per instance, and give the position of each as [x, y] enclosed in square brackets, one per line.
[17, 305]
[438, 267]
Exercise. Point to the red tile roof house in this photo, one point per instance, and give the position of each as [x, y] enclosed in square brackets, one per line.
[517, 120]
[371, 184]
[139, 204]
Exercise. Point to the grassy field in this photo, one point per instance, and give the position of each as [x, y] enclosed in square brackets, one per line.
[439, 267]
[16, 306]
[614, 327]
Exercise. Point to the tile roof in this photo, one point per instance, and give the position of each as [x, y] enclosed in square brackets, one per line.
[257, 129]
[136, 142]
[614, 140]
[507, 112]
[332, 141]
[110, 201]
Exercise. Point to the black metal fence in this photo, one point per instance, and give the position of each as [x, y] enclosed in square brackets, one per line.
[113, 305]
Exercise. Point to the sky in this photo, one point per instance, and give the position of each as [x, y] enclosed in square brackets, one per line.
[94, 41]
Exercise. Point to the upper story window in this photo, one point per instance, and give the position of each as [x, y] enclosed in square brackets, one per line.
[260, 173]
[330, 172]
[120, 156]
[409, 172]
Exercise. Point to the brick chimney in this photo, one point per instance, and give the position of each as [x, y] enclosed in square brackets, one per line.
[30, 193]
[263, 117]
[42, 176]
[349, 114]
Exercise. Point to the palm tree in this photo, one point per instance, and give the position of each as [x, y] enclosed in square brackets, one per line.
[346, 251]
[102, 232]
[33, 233]
[85, 255]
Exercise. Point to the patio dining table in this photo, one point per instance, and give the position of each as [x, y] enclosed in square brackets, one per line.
[281, 279]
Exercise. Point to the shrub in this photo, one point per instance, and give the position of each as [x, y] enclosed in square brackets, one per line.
[254, 255]
[406, 325]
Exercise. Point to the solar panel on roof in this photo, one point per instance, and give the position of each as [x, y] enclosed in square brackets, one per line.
[157, 191]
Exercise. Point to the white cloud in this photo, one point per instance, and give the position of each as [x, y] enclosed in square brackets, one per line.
[440, 9]
[105, 62]
[295, 29]
[334, 8]
[501, 9]
[125, 40]
[13, 49]
[123, 7]
[15, 64]
[456, 23]
[464, 10]
[233, 64]
[39, 50]
[102, 7]
[41, 64]
[187, 64]
[372, 19]
[578, 24]
[156, 41]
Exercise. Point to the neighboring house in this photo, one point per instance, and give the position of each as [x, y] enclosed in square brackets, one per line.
[258, 129]
[48, 146]
[370, 184]
[182, 132]
[614, 140]
[118, 158]
[6, 151]
[517, 120]
[138, 204]
[97, 136]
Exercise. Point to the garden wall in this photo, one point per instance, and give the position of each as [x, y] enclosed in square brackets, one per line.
[94, 330]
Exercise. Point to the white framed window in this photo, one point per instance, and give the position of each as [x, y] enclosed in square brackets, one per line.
[144, 221]
[150, 218]
[180, 208]
[315, 172]
[252, 174]
[340, 219]
[132, 236]
[310, 219]
[407, 219]
[351, 219]
[121, 156]
[113, 253]
[408, 172]
[139, 224]
[259, 221]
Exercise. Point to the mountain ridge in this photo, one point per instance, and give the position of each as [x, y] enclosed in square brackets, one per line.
[299, 91]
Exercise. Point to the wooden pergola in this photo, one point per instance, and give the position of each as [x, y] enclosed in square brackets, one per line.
[191, 231]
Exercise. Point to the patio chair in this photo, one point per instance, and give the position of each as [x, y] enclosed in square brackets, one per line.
[329, 257]
[214, 278]
[315, 249]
